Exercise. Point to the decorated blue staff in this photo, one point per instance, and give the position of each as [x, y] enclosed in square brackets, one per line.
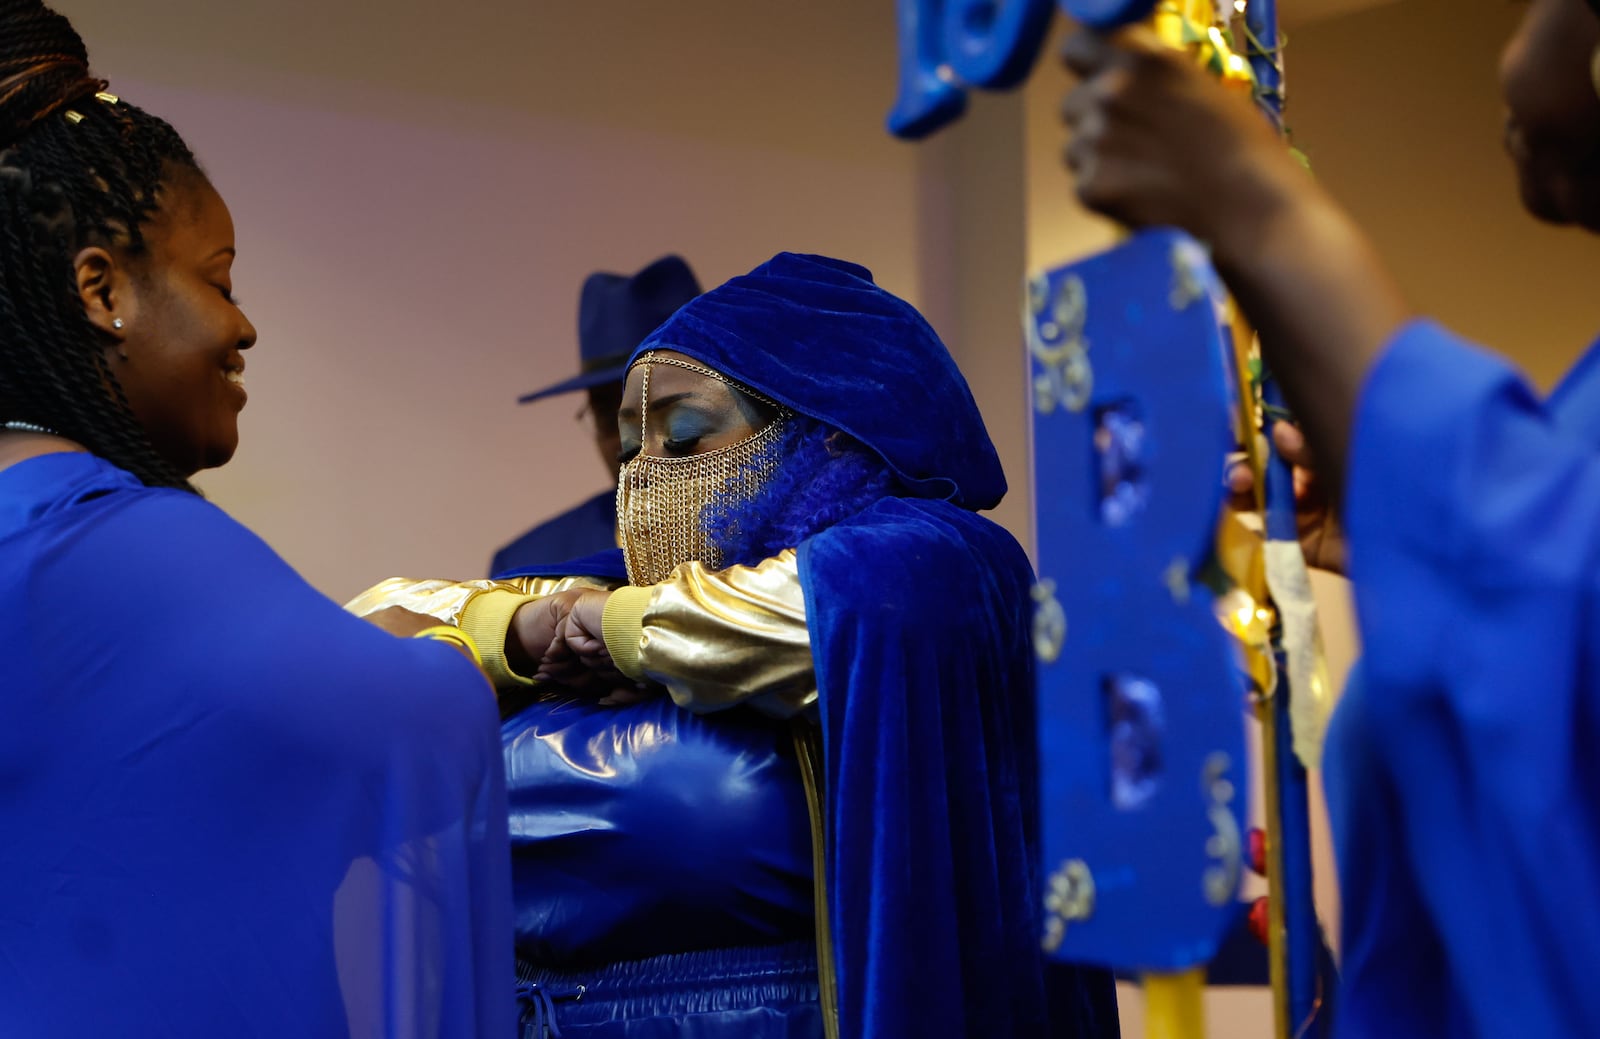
[1142, 381]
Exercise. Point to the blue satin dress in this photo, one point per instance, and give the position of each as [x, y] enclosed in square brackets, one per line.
[662, 874]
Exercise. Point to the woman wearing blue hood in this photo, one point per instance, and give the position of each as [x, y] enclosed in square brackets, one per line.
[845, 642]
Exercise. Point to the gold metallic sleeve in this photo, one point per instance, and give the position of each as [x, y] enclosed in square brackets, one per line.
[482, 609]
[719, 638]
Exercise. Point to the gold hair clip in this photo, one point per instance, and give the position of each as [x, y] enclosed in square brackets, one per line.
[74, 117]
[107, 97]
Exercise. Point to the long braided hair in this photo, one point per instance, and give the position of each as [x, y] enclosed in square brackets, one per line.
[76, 170]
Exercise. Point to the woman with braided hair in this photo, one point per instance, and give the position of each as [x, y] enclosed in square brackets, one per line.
[226, 806]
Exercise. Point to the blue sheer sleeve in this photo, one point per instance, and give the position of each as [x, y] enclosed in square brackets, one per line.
[230, 808]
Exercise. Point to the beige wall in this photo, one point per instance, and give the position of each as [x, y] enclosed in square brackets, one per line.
[1400, 113]
[420, 189]
[974, 245]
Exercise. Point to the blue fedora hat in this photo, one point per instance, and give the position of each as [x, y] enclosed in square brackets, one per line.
[615, 314]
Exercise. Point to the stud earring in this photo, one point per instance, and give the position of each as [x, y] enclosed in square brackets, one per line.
[116, 323]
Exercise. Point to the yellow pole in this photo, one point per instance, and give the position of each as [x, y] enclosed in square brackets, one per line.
[1174, 1007]
[1277, 931]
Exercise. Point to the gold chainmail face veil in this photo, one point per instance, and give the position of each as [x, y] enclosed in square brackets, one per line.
[661, 499]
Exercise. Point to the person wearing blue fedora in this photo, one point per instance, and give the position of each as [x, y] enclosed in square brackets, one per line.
[615, 313]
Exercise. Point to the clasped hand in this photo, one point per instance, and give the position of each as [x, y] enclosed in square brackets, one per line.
[558, 639]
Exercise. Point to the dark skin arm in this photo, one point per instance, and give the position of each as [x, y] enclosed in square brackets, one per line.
[1156, 141]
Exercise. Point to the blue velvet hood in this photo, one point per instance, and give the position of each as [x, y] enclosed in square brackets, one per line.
[816, 335]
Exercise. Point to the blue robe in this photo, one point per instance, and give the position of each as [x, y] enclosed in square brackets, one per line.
[1463, 780]
[227, 808]
[931, 791]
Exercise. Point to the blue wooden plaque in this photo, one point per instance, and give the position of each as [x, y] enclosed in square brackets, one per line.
[1141, 699]
[949, 46]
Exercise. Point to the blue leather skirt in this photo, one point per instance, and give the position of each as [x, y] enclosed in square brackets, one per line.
[765, 992]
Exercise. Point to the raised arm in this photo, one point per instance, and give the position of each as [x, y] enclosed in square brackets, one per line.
[1158, 142]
